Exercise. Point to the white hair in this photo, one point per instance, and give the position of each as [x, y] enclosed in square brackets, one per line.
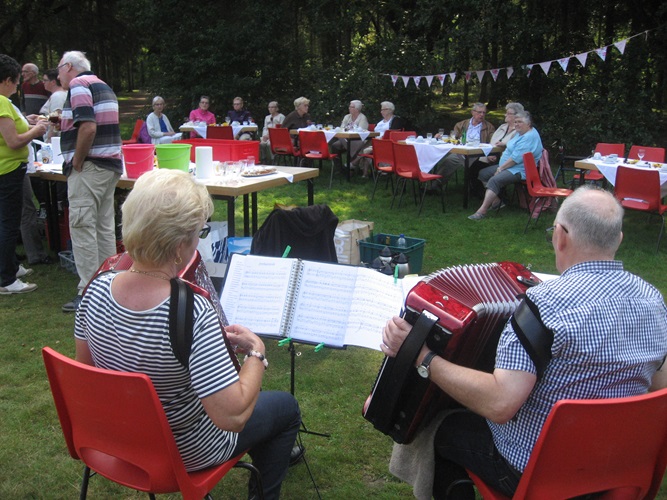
[77, 59]
[357, 104]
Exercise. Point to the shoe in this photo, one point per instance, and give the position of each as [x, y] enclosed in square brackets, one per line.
[297, 454]
[476, 216]
[45, 261]
[17, 287]
[23, 272]
[72, 305]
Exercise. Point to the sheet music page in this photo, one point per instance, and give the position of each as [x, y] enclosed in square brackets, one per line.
[256, 291]
[338, 305]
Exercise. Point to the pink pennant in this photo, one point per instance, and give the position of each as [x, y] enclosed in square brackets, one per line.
[530, 69]
[510, 72]
[602, 52]
[582, 58]
[429, 79]
[494, 74]
[480, 75]
[441, 79]
[468, 74]
[406, 80]
[564, 62]
[394, 79]
[546, 66]
[621, 46]
[452, 77]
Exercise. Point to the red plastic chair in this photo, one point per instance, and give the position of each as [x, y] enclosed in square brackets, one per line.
[114, 422]
[314, 146]
[281, 144]
[407, 168]
[604, 149]
[617, 446]
[215, 132]
[400, 135]
[537, 190]
[134, 139]
[639, 189]
[383, 162]
[651, 154]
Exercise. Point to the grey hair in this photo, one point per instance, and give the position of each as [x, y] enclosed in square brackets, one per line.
[156, 99]
[77, 59]
[526, 116]
[31, 67]
[299, 101]
[274, 103]
[593, 218]
[357, 104]
[478, 105]
[387, 104]
[517, 107]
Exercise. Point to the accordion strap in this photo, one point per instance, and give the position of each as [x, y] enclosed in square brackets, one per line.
[181, 319]
[534, 336]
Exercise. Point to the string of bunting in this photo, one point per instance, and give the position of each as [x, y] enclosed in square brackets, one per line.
[563, 62]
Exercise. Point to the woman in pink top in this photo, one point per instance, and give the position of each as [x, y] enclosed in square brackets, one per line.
[202, 114]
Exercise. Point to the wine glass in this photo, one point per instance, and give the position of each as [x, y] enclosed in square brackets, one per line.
[640, 154]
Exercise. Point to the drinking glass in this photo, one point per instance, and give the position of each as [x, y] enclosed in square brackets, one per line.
[429, 136]
[641, 153]
[250, 161]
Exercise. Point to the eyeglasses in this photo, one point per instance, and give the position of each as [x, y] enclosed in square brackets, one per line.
[478, 111]
[385, 109]
[203, 233]
[549, 234]
[62, 65]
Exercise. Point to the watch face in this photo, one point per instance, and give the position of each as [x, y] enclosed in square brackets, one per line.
[423, 371]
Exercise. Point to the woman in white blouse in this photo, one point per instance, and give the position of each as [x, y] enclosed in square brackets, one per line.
[158, 125]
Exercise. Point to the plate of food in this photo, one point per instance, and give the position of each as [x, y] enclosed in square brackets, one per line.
[259, 171]
[633, 162]
[657, 165]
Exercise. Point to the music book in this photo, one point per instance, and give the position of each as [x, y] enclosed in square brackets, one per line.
[311, 302]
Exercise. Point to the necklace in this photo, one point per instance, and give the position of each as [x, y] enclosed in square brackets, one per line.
[152, 275]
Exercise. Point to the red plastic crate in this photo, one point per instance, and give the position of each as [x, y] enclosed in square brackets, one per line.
[224, 149]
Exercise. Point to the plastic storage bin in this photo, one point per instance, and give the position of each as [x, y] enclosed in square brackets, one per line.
[225, 149]
[371, 247]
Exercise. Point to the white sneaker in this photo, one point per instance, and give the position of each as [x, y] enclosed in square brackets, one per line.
[23, 272]
[17, 287]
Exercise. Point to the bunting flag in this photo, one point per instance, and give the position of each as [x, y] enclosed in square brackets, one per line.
[582, 58]
[621, 46]
[602, 52]
[545, 65]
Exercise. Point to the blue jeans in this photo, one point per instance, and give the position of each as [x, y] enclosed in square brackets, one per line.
[464, 441]
[11, 199]
[270, 435]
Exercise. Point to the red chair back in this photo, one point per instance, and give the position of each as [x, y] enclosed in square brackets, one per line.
[533, 181]
[406, 162]
[215, 132]
[114, 422]
[651, 154]
[281, 141]
[134, 138]
[313, 143]
[383, 152]
[371, 127]
[638, 189]
[606, 149]
[400, 135]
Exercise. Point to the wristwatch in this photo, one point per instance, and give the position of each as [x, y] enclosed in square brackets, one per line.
[423, 369]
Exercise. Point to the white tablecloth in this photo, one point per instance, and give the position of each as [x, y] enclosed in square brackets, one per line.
[609, 170]
[430, 154]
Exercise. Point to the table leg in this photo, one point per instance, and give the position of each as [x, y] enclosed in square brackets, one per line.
[231, 225]
[466, 181]
[254, 212]
[246, 215]
[311, 192]
[52, 217]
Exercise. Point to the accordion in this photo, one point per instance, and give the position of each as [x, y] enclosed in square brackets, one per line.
[459, 312]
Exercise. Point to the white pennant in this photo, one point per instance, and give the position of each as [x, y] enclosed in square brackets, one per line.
[546, 66]
[602, 52]
[563, 62]
[582, 58]
[621, 46]
[452, 77]
[480, 75]
[429, 79]
[417, 79]
[406, 79]
[510, 72]
[441, 79]
[494, 74]
[394, 79]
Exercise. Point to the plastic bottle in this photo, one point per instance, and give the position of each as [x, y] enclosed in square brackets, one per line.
[47, 153]
[401, 243]
[463, 137]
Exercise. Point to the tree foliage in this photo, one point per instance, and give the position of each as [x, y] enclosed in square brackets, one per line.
[336, 50]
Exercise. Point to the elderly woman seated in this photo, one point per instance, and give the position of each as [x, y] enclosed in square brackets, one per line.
[202, 113]
[510, 168]
[354, 120]
[215, 411]
[273, 119]
[389, 122]
[158, 125]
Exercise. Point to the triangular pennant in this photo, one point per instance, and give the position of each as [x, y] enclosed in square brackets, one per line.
[563, 62]
[417, 79]
[441, 79]
[480, 75]
[602, 52]
[394, 79]
[582, 58]
[406, 79]
[452, 77]
[468, 76]
[494, 74]
[510, 72]
[621, 46]
[429, 79]
[546, 66]
[529, 67]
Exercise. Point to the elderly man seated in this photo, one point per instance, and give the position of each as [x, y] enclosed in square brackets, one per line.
[240, 114]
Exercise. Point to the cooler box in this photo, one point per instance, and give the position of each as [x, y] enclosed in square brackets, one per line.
[224, 149]
[371, 247]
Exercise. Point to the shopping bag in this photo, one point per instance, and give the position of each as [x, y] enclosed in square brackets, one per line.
[212, 248]
[347, 237]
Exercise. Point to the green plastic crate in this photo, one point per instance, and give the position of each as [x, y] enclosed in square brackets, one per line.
[371, 247]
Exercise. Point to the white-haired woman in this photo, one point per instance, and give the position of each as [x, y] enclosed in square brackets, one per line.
[158, 125]
[355, 119]
[299, 118]
[122, 324]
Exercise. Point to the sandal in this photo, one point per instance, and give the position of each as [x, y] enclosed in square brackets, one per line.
[476, 216]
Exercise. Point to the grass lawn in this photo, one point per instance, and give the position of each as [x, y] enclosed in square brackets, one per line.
[331, 385]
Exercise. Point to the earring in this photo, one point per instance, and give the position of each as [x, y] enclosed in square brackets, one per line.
[178, 261]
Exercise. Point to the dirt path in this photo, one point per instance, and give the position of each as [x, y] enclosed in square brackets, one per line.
[133, 105]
